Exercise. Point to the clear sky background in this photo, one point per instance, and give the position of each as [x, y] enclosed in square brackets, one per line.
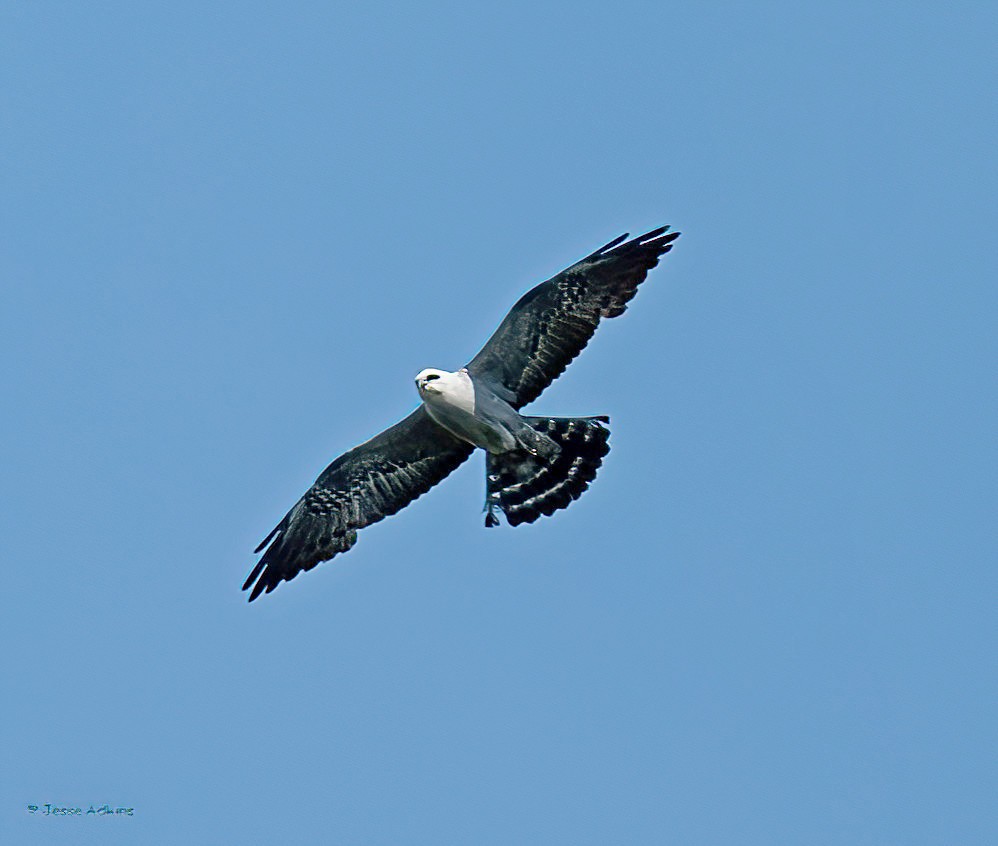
[231, 235]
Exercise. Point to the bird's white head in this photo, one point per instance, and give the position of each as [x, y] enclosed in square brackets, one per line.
[428, 381]
[441, 387]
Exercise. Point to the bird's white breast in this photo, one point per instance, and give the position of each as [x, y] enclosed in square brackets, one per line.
[450, 400]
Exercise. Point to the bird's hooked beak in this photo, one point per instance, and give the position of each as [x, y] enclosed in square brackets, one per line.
[423, 379]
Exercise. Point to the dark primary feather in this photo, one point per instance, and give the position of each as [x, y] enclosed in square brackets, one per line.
[552, 323]
[366, 484]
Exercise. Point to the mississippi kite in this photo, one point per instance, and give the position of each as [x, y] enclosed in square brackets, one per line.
[533, 465]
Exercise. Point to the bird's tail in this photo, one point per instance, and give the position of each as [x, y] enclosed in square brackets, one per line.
[524, 485]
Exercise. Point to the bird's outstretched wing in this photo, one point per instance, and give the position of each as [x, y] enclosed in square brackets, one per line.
[552, 323]
[366, 484]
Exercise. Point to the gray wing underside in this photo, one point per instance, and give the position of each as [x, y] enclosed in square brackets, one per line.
[552, 323]
[361, 487]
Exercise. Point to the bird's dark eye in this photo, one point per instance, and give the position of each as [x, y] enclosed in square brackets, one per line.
[431, 376]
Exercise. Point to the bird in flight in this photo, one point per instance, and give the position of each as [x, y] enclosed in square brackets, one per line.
[533, 465]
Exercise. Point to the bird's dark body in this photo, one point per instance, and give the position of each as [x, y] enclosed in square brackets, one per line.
[534, 465]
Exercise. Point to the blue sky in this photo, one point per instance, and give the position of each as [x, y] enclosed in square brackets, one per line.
[232, 235]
